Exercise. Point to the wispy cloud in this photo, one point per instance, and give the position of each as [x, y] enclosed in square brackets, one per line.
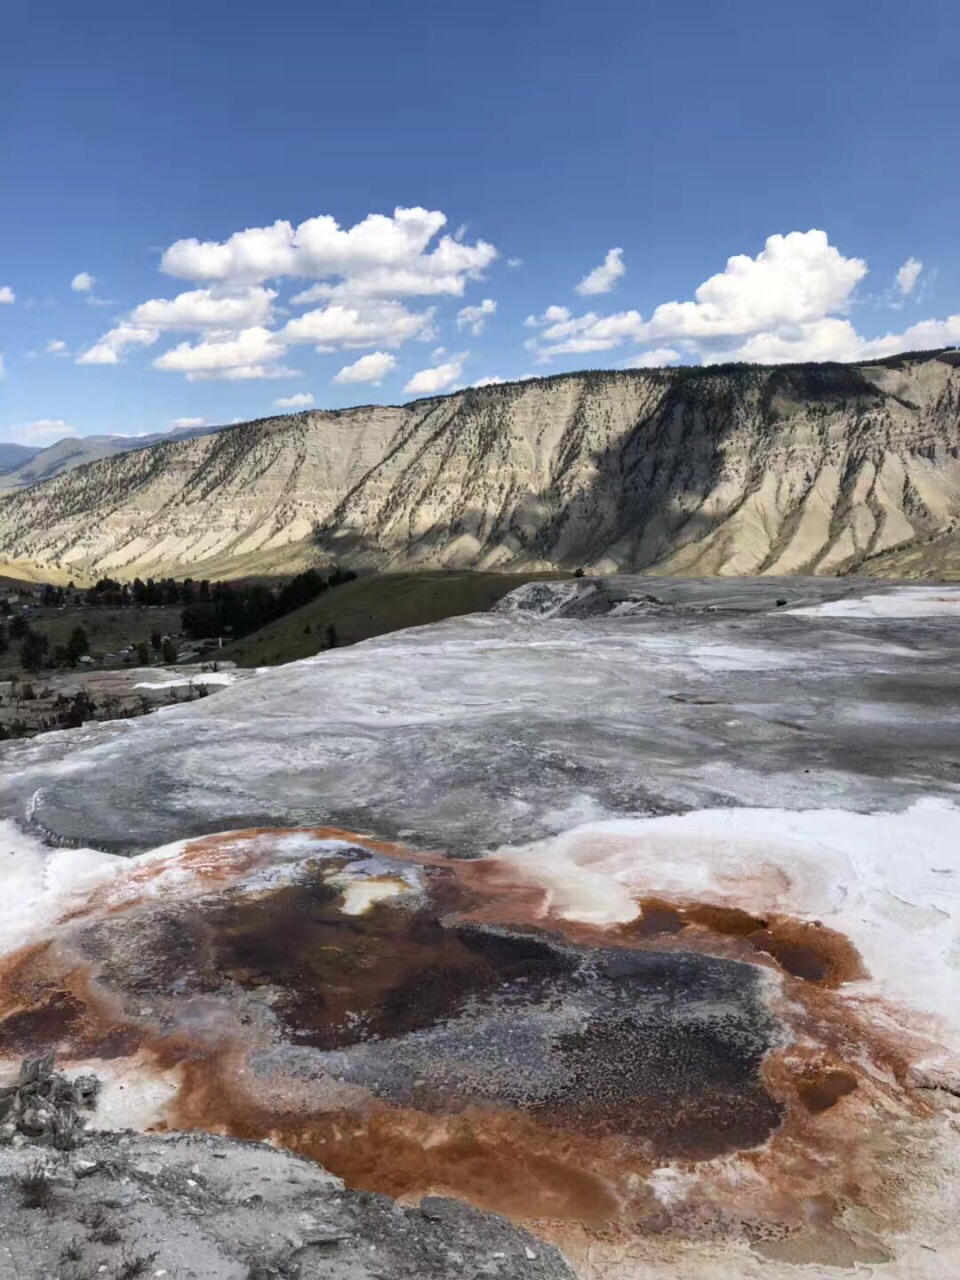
[908, 275]
[301, 400]
[44, 427]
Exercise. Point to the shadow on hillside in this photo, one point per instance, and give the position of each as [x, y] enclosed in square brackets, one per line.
[644, 501]
[647, 485]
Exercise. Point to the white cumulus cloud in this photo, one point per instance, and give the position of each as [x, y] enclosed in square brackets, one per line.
[246, 373]
[113, 346]
[219, 312]
[440, 378]
[657, 358]
[234, 357]
[778, 298]
[83, 282]
[908, 275]
[603, 279]
[251, 256]
[475, 318]
[379, 257]
[200, 309]
[564, 334]
[55, 347]
[831, 338]
[552, 315]
[795, 279]
[387, 324]
[487, 382]
[302, 400]
[7, 294]
[360, 275]
[181, 424]
[926, 335]
[836, 339]
[372, 368]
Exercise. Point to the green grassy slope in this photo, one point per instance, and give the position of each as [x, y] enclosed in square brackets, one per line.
[371, 607]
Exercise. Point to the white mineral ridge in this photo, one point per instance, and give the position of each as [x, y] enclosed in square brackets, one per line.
[182, 682]
[904, 602]
[39, 884]
[889, 881]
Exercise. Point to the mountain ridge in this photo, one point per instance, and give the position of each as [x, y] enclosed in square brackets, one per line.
[14, 455]
[698, 470]
[27, 465]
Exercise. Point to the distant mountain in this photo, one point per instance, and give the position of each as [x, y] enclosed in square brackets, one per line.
[28, 465]
[15, 455]
[735, 469]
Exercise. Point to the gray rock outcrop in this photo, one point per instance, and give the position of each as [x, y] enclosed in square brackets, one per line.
[121, 1206]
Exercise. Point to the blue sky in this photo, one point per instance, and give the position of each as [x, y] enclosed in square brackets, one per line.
[526, 141]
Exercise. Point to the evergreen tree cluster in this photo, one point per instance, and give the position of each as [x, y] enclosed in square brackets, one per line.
[212, 609]
[227, 609]
[35, 647]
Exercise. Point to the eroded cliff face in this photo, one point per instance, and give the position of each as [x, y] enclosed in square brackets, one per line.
[727, 470]
[248, 496]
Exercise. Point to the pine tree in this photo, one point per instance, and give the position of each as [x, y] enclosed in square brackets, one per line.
[77, 645]
[33, 651]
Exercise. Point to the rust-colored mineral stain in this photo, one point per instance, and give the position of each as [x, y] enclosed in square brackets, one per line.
[54, 1019]
[503, 1161]
[816, 1075]
[211, 851]
[36, 1007]
[488, 891]
[577, 1152]
[822, 1093]
[656, 918]
[46, 1002]
[23, 970]
[802, 948]
[729, 921]
[344, 978]
[805, 948]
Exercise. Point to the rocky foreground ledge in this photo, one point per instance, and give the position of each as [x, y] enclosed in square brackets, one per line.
[118, 1206]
